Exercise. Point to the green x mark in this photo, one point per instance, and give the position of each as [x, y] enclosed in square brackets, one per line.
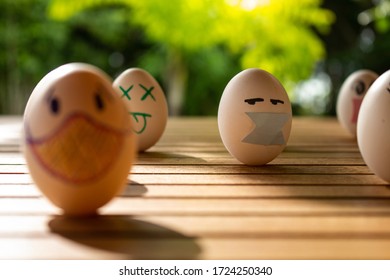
[126, 92]
[147, 92]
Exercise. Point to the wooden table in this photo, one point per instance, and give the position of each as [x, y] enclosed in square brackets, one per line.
[189, 199]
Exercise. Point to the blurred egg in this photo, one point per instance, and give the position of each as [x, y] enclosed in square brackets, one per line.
[373, 127]
[351, 96]
[78, 143]
[254, 117]
[146, 104]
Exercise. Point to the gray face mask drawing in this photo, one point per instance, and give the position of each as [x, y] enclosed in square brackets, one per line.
[268, 130]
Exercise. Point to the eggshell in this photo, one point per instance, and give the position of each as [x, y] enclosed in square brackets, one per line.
[146, 103]
[254, 117]
[78, 142]
[351, 96]
[373, 127]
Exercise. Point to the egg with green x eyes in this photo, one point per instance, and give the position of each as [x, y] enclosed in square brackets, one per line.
[373, 127]
[146, 104]
[78, 142]
[254, 117]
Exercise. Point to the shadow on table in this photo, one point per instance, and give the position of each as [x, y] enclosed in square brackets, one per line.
[134, 189]
[130, 237]
[167, 158]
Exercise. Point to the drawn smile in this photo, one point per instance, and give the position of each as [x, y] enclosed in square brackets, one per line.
[141, 121]
[80, 150]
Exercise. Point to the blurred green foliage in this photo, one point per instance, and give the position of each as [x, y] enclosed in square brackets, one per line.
[192, 47]
[275, 35]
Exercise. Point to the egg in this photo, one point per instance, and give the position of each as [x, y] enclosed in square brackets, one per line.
[146, 104]
[78, 142]
[373, 127]
[254, 117]
[351, 96]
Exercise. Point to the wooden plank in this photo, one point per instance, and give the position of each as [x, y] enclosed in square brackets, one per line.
[224, 169]
[201, 226]
[224, 191]
[188, 198]
[232, 179]
[212, 206]
[70, 247]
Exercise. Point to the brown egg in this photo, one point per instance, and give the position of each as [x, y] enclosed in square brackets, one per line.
[254, 117]
[373, 127]
[78, 142]
[146, 103]
[351, 96]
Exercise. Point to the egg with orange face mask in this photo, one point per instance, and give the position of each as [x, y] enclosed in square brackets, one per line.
[254, 117]
[146, 105]
[78, 140]
[351, 97]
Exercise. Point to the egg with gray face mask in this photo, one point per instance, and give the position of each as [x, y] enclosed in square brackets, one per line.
[373, 127]
[254, 117]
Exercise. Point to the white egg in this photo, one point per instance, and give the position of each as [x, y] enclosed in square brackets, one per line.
[351, 96]
[254, 117]
[78, 143]
[373, 127]
[146, 104]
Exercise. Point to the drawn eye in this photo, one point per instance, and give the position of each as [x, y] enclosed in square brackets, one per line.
[54, 105]
[99, 102]
[252, 101]
[360, 87]
[53, 102]
[276, 101]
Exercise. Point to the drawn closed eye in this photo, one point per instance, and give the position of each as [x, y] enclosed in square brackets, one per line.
[276, 101]
[252, 101]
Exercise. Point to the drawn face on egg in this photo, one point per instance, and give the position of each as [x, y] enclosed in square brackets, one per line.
[254, 117]
[146, 105]
[351, 97]
[269, 120]
[359, 89]
[78, 145]
[140, 118]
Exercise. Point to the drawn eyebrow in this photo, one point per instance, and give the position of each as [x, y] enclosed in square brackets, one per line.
[276, 101]
[252, 101]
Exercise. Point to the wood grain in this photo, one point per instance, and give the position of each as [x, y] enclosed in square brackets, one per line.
[187, 198]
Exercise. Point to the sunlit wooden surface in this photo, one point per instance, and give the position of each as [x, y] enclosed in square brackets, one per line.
[187, 198]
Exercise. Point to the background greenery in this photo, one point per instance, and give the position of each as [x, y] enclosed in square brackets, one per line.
[194, 48]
